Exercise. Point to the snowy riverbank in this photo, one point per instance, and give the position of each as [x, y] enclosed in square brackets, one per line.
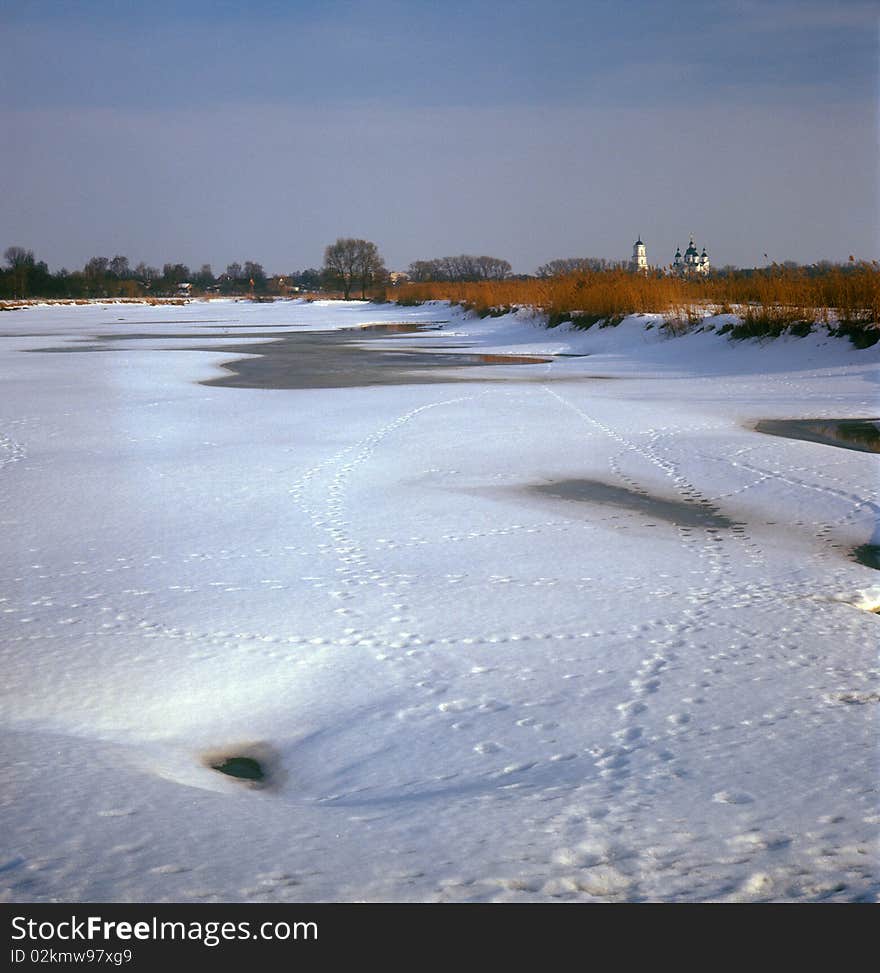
[552, 631]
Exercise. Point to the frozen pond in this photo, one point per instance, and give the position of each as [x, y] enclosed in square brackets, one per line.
[483, 629]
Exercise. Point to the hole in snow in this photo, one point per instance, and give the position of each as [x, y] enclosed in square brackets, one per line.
[254, 764]
[245, 768]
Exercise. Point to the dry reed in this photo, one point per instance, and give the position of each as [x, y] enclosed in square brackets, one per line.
[775, 298]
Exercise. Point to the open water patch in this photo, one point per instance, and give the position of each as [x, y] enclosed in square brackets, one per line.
[862, 435]
[253, 764]
[399, 327]
[244, 768]
[868, 555]
[331, 359]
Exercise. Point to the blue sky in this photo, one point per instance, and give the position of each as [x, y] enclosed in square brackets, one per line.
[218, 131]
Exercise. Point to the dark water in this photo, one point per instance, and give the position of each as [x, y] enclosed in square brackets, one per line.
[398, 327]
[245, 768]
[859, 434]
[681, 513]
[322, 359]
[68, 349]
[300, 359]
[869, 555]
[332, 359]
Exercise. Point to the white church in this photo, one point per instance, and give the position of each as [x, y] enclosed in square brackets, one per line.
[691, 264]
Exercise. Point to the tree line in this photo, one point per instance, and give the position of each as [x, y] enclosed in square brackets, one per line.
[351, 266]
[24, 276]
[464, 267]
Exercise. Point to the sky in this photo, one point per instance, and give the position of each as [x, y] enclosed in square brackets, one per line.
[208, 132]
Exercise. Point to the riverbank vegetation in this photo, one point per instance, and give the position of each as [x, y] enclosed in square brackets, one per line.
[766, 301]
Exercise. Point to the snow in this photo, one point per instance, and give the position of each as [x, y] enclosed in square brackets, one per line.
[462, 686]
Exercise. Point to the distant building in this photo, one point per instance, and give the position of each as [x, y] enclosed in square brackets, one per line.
[639, 260]
[398, 277]
[184, 290]
[280, 286]
[692, 263]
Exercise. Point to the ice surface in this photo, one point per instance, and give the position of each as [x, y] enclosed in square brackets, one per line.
[462, 680]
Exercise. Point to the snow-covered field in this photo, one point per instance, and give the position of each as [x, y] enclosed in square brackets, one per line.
[574, 632]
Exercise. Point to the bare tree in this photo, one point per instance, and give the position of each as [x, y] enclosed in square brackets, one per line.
[95, 272]
[491, 268]
[204, 278]
[463, 267]
[421, 270]
[370, 265]
[572, 265]
[20, 262]
[19, 257]
[351, 261]
[118, 268]
[145, 273]
[254, 274]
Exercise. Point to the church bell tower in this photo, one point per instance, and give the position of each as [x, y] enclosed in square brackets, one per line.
[639, 260]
